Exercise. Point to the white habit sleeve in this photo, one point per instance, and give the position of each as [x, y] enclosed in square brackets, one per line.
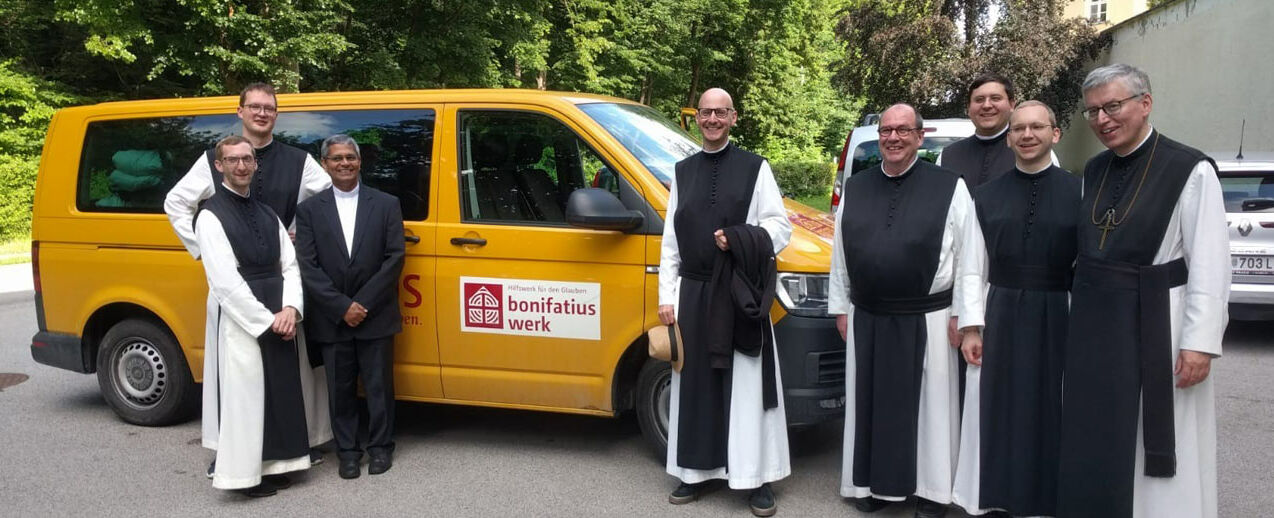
[969, 293]
[838, 287]
[183, 200]
[1206, 246]
[292, 295]
[669, 254]
[313, 180]
[767, 204]
[224, 282]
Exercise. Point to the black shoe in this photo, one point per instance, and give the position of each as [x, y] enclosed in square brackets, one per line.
[929, 509]
[349, 468]
[380, 463]
[762, 501]
[212, 468]
[686, 493]
[259, 490]
[870, 504]
[277, 481]
[316, 456]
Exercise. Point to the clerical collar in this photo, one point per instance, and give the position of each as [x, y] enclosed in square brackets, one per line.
[995, 136]
[1033, 174]
[904, 171]
[236, 193]
[352, 193]
[718, 150]
[1141, 147]
[267, 144]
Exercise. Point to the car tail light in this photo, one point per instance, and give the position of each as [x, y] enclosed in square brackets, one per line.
[35, 265]
[840, 172]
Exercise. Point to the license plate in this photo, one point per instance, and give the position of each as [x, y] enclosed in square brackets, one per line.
[1252, 264]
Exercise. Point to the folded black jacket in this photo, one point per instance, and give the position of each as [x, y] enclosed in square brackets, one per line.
[741, 292]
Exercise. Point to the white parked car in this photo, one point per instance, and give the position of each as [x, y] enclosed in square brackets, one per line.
[862, 147]
[1248, 187]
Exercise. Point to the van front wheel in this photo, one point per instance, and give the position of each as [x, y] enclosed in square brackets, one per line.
[654, 392]
[143, 375]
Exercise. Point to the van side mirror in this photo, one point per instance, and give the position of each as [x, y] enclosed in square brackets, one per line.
[598, 209]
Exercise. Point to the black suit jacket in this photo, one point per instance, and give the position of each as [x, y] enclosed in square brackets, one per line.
[334, 277]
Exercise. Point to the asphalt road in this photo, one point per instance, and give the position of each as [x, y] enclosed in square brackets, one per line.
[65, 453]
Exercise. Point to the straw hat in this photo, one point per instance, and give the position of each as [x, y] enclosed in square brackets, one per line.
[666, 345]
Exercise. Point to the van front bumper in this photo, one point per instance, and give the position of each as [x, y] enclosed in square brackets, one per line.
[812, 363]
[61, 350]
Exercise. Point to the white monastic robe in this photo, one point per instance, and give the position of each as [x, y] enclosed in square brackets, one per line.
[757, 447]
[237, 404]
[939, 418]
[1198, 310]
[181, 204]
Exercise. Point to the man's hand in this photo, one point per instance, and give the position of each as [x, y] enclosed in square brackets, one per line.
[842, 325]
[721, 242]
[355, 314]
[667, 314]
[1192, 367]
[971, 347]
[285, 323]
[953, 334]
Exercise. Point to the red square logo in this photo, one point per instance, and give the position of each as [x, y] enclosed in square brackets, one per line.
[483, 306]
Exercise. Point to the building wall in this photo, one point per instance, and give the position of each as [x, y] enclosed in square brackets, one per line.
[1210, 65]
[1116, 10]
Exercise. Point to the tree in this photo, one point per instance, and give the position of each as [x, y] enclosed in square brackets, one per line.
[920, 58]
[233, 43]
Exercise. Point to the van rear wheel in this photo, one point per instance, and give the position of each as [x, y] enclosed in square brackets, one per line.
[143, 374]
[654, 393]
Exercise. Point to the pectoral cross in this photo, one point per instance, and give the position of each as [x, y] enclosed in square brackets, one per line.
[1107, 224]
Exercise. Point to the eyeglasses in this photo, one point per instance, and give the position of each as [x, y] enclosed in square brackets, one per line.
[342, 158]
[262, 108]
[1111, 108]
[1035, 128]
[902, 132]
[720, 113]
[247, 160]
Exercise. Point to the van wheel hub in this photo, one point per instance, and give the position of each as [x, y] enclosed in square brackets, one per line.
[139, 373]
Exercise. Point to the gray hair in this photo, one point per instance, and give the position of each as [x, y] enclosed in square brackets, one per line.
[339, 139]
[1132, 77]
[1052, 119]
[920, 121]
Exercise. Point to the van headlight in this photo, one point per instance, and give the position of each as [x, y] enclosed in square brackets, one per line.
[803, 294]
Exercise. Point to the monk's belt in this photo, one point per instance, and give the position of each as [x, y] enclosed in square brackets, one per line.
[256, 273]
[1030, 277]
[1154, 349]
[902, 305]
[696, 276]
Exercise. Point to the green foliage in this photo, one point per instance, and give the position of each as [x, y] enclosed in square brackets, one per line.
[17, 190]
[27, 104]
[926, 53]
[803, 178]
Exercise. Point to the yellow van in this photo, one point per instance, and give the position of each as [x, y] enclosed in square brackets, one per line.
[533, 223]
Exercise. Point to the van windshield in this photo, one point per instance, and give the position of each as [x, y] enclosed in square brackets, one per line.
[653, 139]
[867, 154]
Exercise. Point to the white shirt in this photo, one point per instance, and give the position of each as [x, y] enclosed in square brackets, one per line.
[347, 208]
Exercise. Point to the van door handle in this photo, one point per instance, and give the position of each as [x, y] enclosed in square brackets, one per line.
[461, 241]
[411, 239]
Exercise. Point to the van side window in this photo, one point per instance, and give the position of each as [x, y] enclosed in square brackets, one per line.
[129, 165]
[522, 167]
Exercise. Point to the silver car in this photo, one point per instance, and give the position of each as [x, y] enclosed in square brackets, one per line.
[1248, 187]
